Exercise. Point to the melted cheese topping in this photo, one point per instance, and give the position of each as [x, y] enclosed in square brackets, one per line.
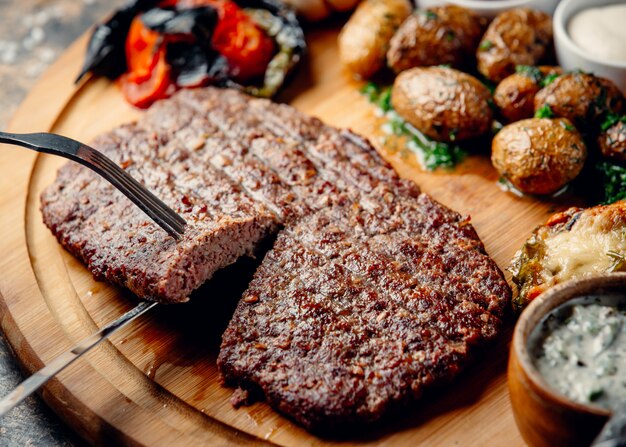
[585, 249]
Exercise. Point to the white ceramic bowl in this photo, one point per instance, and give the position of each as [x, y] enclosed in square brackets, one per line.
[491, 8]
[571, 56]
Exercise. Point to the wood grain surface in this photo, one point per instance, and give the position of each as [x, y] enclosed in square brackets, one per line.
[156, 382]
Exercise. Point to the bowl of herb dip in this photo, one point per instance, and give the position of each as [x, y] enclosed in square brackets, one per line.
[567, 364]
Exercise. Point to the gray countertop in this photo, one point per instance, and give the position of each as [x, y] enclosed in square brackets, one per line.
[33, 33]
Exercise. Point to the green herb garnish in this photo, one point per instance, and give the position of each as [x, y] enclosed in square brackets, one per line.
[529, 71]
[613, 178]
[547, 80]
[380, 97]
[433, 154]
[430, 15]
[611, 119]
[565, 125]
[485, 45]
[595, 394]
[544, 112]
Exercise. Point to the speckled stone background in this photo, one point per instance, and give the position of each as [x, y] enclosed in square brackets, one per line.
[32, 35]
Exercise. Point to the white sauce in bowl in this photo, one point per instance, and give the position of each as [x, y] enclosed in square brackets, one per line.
[601, 32]
[580, 350]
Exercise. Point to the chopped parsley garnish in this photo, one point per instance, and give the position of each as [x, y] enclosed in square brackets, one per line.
[614, 180]
[450, 35]
[529, 71]
[374, 94]
[611, 119]
[485, 45]
[567, 126]
[536, 75]
[430, 15]
[548, 79]
[544, 112]
[432, 154]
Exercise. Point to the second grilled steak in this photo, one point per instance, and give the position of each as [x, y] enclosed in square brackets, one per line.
[372, 292]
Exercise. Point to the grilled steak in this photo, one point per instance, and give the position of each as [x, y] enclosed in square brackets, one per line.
[372, 291]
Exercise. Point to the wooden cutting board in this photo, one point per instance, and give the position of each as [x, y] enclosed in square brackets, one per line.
[156, 382]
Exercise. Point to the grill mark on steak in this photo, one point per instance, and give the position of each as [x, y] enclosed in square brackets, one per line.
[403, 281]
[383, 329]
[371, 293]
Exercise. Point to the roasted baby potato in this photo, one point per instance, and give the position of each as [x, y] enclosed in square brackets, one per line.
[580, 97]
[612, 141]
[443, 103]
[364, 40]
[538, 155]
[572, 244]
[515, 95]
[435, 36]
[519, 36]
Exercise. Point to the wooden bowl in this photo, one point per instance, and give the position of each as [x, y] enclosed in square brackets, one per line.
[545, 417]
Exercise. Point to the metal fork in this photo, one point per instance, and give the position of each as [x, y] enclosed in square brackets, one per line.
[158, 211]
[50, 143]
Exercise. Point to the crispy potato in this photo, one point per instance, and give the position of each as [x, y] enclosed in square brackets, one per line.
[539, 155]
[519, 36]
[443, 103]
[515, 95]
[582, 98]
[364, 40]
[612, 142]
[436, 36]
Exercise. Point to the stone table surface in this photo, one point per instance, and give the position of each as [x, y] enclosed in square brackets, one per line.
[33, 33]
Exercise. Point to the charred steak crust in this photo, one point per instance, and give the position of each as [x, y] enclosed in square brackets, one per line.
[372, 292]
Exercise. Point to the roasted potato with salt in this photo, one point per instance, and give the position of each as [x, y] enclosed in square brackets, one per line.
[519, 36]
[539, 155]
[515, 95]
[580, 97]
[364, 39]
[443, 103]
[612, 141]
[435, 36]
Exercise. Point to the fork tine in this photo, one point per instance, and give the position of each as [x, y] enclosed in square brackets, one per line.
[174, 229]
[96, 157]
[54, 144]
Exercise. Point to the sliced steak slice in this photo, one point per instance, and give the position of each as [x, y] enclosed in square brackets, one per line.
[120, 244]
[326, 348]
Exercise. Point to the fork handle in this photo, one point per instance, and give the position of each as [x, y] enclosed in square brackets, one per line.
[37, 142]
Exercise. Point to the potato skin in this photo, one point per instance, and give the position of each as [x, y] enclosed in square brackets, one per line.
[435, 36]
[515, 95]
[364, 39]
[582, 98]
[539, 155]
[519, 36]
[443, 103]
[612, 142]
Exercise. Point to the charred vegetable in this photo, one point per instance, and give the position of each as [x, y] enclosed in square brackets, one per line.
[162, 45]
